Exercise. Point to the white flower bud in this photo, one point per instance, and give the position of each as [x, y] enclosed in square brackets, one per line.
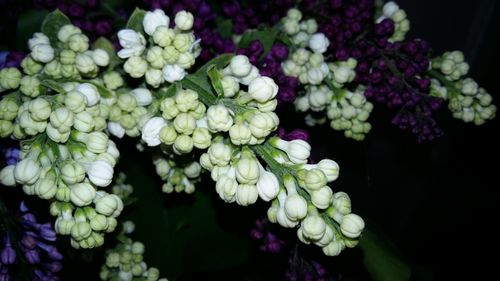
[133, 43]
[78, 43]
[142, 96]
[313, 227]
[84, 122]
[39, 109]
[153, 20]
[334, 248]
[291, 26]
[46, 187]
[247, 170]
[109, 205]
[267, 185]
[201, 138]
[173, 72]
[352, 225]
[254, 73]
[319, 43]
[262, 89]
[100, 173]
[27, 171]
[37, 39]
[219, 154]
[226, 187]
[297, 150]
[72, 172]
[240, 134]
[219, 118]
[7, 177]
[315, 179]
[183, 144]
[261, 124]
[184, 20]
[246, 194]
[66, 31]
[163, 36]
[151, 131]
[82, 194]
[85, 64]
[229, 86]
[100, 57]
[322, 198]
[184, 123]
[341, 203]
[330, 168]
[154, 77]
[284, 220]
[97, 142]
[193, 170]
[42, 53]
[240, 66]
[295, 207]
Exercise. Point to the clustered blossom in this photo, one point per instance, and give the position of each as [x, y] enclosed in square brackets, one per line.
[466, 100]
[324, 83]
[167, 53]
[27, 245]
[125, 262]
[179, 175]
[65, 155]
[204, 27]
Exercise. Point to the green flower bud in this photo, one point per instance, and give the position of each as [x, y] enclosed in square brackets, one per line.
[78, 43]
[136, 67]
[6, 128]
[53, 69]
[67, 57]
[182, 42]
[8, 109]
[84, 122]
[155, 58]
[39, 109]
[82, 194]
[30, 66]
[10, 78]
[62, 118]
[99, 223]
[113, 80]
[46, 187]
[170, 54]
[80, 231]
[186, 60]
[85, 64]
[183, 144]
[30, 86]
[163, 36]
[201, 138]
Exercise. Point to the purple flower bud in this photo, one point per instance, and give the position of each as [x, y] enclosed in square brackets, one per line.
[28, 241]
[8, 254]
[32, 256]
[298, 134]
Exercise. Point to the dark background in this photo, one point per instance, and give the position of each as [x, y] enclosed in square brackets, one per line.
[438, 203]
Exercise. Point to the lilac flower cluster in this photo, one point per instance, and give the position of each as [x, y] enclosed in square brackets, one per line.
[84, 14]
[249, 17]
[270, 66]
[35, 246]
[269, 242]
[393, 72]
[205, 25]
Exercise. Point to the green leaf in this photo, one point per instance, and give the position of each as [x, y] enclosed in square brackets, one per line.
[216, 77]
[381, 260]
[28, 23]
[52, 23]
[200, 84]
[219, 62]
[266, 37]
[53, 85]
[135, 20]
